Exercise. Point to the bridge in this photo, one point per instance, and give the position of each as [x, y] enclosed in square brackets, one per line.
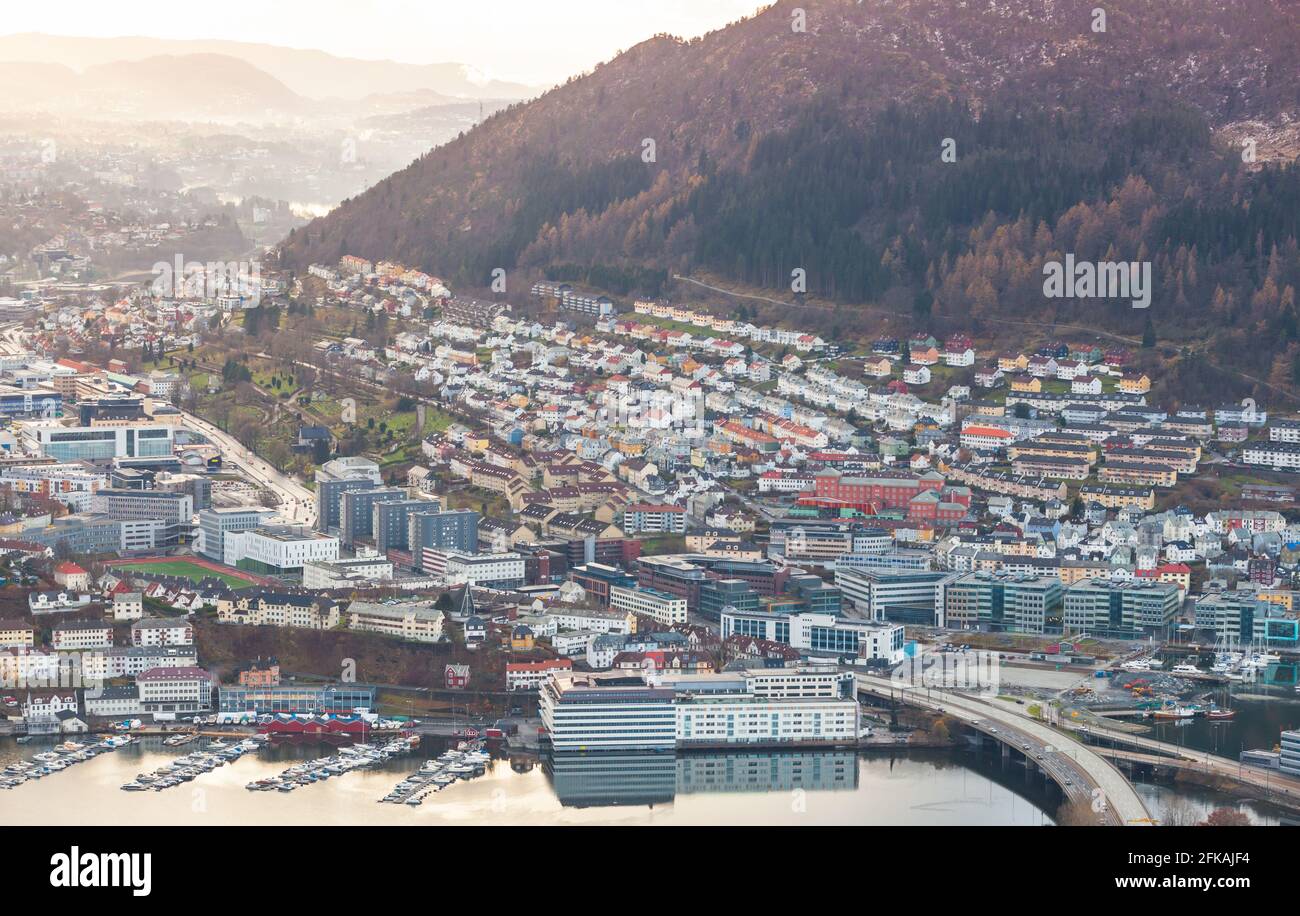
[1082, 774]
[1268, 785]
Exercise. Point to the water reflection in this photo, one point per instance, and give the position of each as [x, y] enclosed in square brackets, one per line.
[607, 779]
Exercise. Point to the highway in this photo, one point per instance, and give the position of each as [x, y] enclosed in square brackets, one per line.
[1083, 775]
[297, 503]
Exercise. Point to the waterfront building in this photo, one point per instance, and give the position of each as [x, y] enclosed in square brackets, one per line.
[593, 712]
[113, 702]
[1290, 760]
[246, 703]
[166, 693]
[1244, 618]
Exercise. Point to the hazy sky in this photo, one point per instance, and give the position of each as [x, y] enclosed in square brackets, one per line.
[533, 41]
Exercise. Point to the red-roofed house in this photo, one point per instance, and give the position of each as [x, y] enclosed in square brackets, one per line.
[71, 576]
[530, 675]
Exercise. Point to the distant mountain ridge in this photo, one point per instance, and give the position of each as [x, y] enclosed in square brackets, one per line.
[308, 73]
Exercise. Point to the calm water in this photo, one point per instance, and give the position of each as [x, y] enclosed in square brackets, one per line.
[1264, 711]
[930, 788]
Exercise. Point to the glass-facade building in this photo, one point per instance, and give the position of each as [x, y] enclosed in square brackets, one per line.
[100, 443]
[235, 702]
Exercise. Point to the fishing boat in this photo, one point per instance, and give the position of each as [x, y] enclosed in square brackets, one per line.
[1175, 712]
[1220, 715]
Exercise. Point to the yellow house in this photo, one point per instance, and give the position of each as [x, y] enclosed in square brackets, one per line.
[1135, 383]
[521, 638]
[1026, 383]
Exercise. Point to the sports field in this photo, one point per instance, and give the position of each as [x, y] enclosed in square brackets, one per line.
[192, 570]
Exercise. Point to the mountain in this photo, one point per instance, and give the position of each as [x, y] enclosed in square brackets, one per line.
[777, 149]
[154, 88]
[311, 74]
[182, 84]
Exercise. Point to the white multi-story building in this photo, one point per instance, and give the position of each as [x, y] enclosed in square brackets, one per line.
[81, 634]
[819, 633]
[166, 693]
[128, 605]
[1284, 429]
[162, 631]
[113, 702]
[587, 712]
[215, 523]
[661, 606]
[1283, 454]
[721, 718]
[414, 621]
[278, 550]
[130, 661]
[486, 570]
[530, 675]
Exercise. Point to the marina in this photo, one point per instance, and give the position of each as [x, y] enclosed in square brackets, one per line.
[353, 757]
[464, 762]
[189, 767]
[59, 758]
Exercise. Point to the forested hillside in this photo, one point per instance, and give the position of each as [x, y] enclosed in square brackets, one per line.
[777, 148]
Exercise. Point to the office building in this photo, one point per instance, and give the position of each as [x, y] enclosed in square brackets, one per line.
[166, 693]
[1245, 618]
[716, 594]
[1003, 602]
[590, 712]
[908, 596]
[1100, 606]
[174, 510]
[215, 523]
[103, 443]
[660, 606]
[819, 634]
[246, 703]
[1290, 762]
